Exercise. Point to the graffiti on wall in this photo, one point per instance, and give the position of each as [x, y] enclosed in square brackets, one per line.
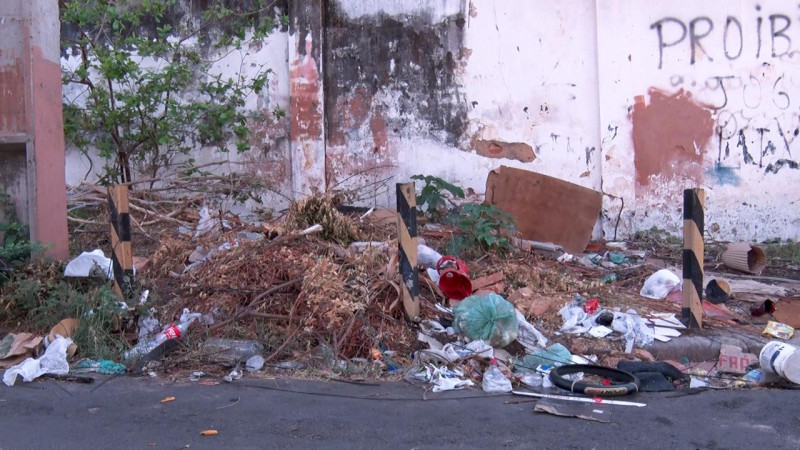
[749, 82]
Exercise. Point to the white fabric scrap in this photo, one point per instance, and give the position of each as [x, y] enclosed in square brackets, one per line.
[53, 361]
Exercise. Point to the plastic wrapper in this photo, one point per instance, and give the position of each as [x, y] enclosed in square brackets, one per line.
[83, 264]
[554, 355]
[427, 257]
[660, 284]
[489, 317]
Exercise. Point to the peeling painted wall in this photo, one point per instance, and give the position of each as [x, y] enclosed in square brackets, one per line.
[638, 100]
[706, 94]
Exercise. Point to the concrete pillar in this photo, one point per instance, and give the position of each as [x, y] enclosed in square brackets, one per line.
[31, 120]
[306, 106]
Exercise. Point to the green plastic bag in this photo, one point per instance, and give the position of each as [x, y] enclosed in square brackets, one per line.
[489, 317]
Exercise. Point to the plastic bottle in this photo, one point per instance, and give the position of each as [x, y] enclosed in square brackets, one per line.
[494, 380]
[146, 346]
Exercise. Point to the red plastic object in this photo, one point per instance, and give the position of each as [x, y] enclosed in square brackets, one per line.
[454, 278]
[591, 306]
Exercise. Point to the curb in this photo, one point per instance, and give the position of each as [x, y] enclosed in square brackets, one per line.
[705, 347]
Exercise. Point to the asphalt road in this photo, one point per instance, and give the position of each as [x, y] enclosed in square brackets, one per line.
[128, 413]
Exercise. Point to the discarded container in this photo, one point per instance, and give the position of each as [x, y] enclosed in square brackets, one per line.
[494, 380]
[718, 291]
[230, 351]
[782, 359]
[659, 284]
[767, 307]
[454, 278]
[427, 257]
[144, 347]
[489, 317]
[745, 257]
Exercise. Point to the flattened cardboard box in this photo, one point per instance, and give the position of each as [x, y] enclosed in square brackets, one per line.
[546, 209]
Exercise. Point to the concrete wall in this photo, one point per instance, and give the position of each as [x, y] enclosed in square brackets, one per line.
[31, 120]
[636, 99]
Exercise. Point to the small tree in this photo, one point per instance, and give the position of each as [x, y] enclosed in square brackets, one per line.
[149, 97]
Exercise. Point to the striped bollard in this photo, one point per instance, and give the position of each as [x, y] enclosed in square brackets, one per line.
[407, 248]
[121, 256]
[694, 203]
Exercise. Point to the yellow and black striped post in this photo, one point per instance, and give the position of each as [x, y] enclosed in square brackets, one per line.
[121, 256]
[407, 248]
[694, 204]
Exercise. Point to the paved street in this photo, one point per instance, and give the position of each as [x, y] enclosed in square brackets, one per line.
[127, 413]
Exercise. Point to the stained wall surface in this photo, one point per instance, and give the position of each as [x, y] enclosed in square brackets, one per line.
[637, 100]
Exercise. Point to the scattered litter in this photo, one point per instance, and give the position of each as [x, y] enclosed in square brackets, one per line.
[443, 378]
[143, 347]
[64, 328]
[554, 355]
[235, 374]
[254, 363]
[599, 412]
[660, 284]
[104, 367]
[230, 351]
[597, 400]
[291, 365]
[427, 257]
[718, 291]
[745, 257]
[698, 382]
[489, 317]
[168, 399]
[778, 330]
[666, 320]
[528, 335]
[765, 307]
[210, 221]
[92, 263]
[53, 361]
[494, 380]
[197, 375]
[454, 278]
[600, 331]
[566, 257]
[209, 433]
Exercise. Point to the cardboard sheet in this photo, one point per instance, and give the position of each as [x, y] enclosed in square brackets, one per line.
[546, 209]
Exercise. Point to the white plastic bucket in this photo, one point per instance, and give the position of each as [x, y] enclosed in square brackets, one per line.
[782, 359]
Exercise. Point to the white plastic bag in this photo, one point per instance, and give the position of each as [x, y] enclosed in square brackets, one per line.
[528, 335]
[53, 361]
[82, 265]
[660, 284]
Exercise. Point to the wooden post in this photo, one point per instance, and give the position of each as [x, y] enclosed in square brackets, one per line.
[407, 248]
[121, 256]
[694, 203]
